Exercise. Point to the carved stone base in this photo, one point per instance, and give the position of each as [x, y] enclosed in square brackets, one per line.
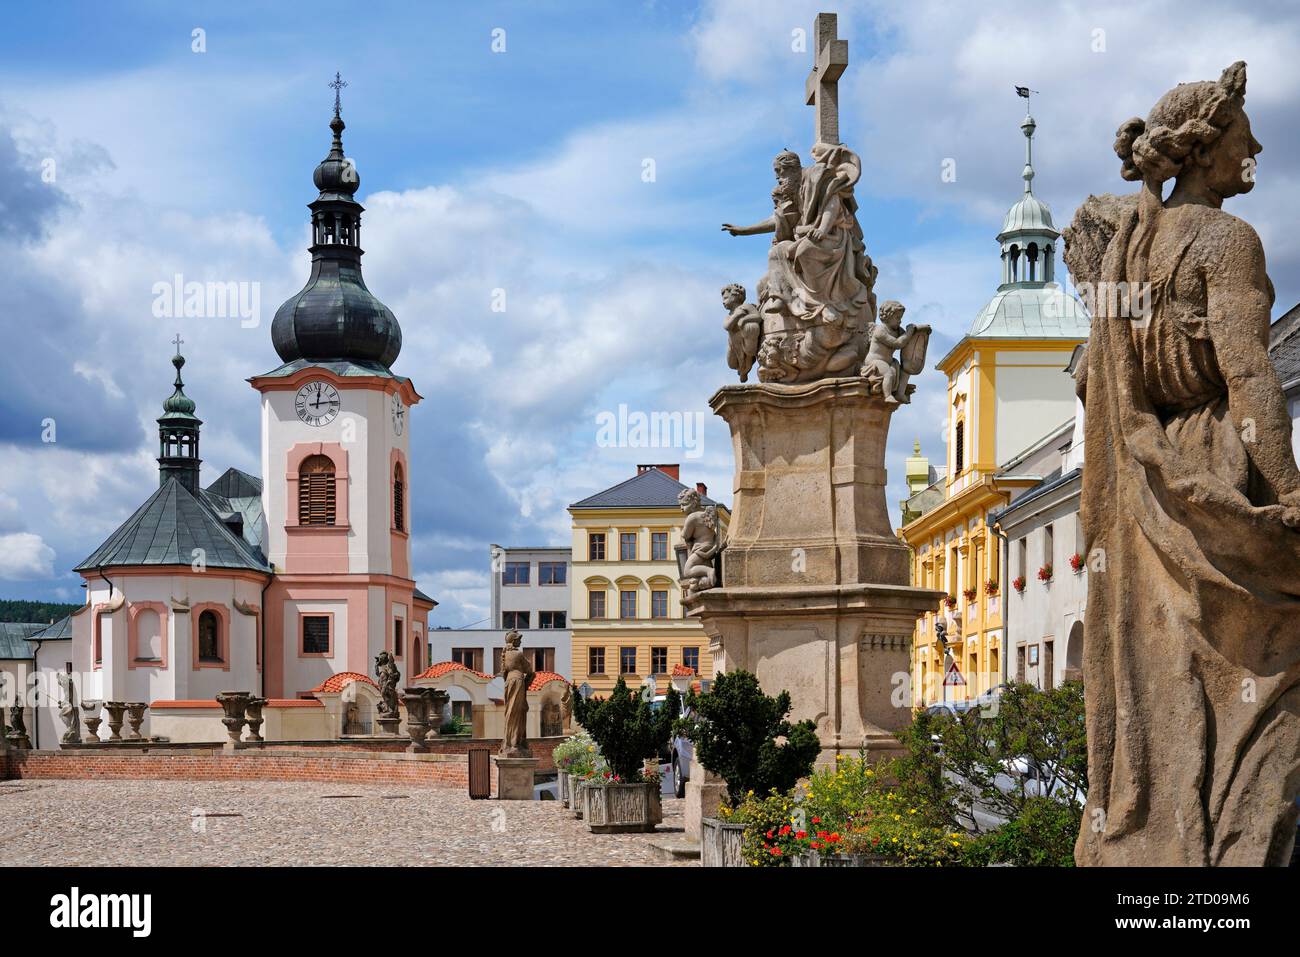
[704, 793]
[389, 726]
[514, 778]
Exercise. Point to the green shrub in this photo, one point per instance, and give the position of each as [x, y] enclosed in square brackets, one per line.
[735, 728]
[1043, 835]
[626, 729]
[455, 725]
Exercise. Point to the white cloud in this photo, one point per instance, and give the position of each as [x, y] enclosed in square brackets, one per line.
[24, 556]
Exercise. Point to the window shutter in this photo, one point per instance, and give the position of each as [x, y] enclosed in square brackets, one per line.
[316, 491]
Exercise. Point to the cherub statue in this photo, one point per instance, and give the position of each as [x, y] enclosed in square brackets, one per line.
[744, 330]
[388, 675]
[703, 539]
[68, 711]
[880, 367]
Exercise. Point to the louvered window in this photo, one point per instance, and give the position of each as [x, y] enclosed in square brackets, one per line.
[399, 493]
[316, 491]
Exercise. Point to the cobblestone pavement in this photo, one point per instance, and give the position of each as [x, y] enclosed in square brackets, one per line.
[160, 823]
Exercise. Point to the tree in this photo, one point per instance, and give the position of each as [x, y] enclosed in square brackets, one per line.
[626, 728]
[735, 728]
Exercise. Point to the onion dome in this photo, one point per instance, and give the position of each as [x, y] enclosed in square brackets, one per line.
[178, 433]
[335, 317]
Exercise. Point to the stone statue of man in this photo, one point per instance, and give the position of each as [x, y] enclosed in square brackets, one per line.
[387, 673]
[518, 673]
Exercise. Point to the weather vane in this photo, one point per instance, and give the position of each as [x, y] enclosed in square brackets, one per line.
[337, 86]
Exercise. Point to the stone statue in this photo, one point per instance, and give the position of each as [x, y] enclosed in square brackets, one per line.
[518, 673]
[1190, 507]
[703, 539]
[744, 329]
[818, 291]
[68, 710]
[388, 675]
[881, 369]
[17, 733]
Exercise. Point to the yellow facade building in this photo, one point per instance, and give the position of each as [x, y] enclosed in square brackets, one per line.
[626, 614]
[1008, 399]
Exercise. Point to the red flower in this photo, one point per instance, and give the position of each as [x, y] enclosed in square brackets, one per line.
[775, 852]
[875, 841]
[786, 830]
[769, 834]
[814, 845]
[834, 838]
[821, 834]
[817, 820]
[799, 836]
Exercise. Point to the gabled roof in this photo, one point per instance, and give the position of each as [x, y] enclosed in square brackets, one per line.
[545, 678]
[60, 630]
[649, 489]
[336, 683]
[13, 639]
[236, 484]
[166, 530]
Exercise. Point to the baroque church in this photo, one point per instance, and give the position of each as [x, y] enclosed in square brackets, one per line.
[287, 585]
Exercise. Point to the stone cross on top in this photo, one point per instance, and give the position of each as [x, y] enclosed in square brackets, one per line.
[830, 57]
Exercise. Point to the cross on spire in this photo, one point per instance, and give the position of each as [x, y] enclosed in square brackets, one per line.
[830, 57]
[337, 86]
[177, 342]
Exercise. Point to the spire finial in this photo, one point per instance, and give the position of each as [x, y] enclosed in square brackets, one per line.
[916, 447]
[1027, 127]
[337, 86]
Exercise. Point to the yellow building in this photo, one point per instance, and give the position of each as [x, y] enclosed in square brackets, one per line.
[626, 614]
[1008, 399]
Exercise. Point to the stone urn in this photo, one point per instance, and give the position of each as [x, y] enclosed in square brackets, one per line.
[417, 717]
[437, 703]
[253, 712]
[135, 716]
[622, 808]
[235, 705]
[720, 843]
[90, 714]
[116, 710]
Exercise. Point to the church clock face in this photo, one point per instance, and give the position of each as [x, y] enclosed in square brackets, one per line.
[399, 414]
[318, 403]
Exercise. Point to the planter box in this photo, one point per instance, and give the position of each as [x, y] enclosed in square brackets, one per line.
[577, 797]
[809, 859]
[563, 778]
[622, 808]
[720, 843]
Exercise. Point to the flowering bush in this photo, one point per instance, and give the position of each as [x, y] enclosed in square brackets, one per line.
[950, 601]
[1045, 573]
[1018, 583]
[991, 587]
[774, 828]
[576, 755]
[969, 594]
[1076, 562]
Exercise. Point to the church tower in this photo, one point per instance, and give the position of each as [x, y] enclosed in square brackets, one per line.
[178, 434]
[335, 456]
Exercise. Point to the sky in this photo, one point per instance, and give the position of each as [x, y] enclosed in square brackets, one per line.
[570, 162]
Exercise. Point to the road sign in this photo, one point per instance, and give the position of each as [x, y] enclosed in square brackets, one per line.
[954, 677]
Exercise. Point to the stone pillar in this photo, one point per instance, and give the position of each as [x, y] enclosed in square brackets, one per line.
[704, 793]
[253, 712]
[115, 709]
[235, 705]
[135, 715]
[815, 598]
[90, 714]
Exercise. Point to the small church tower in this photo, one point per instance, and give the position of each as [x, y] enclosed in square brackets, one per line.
[178, 434]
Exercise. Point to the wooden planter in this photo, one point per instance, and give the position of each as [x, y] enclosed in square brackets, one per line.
[563, 778]
[622, 808]
[577, 796]
[720, 843]
[809, 859]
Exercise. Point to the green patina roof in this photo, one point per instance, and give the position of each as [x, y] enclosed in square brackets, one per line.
[167, 528]
[340, 367]
[61, 630]
[13, 639]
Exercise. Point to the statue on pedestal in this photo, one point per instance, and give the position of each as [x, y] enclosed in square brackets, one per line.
[518, 673]
[1190, 506]
[68, 711]
[388, 676]
[881, 369]
[703, 539]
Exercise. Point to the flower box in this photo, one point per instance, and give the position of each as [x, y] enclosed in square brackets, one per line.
[622, 808]
[811, 859]
[562, 778]
[720, 843]
[577, 796]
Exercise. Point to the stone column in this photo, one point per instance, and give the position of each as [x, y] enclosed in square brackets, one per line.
[135, 715]
[235, 705]
[253, 712]
[90, 714]
[816, 596]
[115, 709]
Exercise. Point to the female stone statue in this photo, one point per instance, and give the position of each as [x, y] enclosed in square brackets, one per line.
[1191, 500]
[518, 673]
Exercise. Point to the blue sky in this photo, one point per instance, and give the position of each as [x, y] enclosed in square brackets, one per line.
[521, 171]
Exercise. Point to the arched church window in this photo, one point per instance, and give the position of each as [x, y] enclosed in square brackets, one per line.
[209, 636]
[316, 491]
[399, 498]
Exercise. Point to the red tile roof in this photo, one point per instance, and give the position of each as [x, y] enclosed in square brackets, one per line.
[336, 683]
[681, 671]
[545, 678]
[443, 667]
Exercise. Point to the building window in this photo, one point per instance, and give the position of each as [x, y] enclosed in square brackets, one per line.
[596, 546]
[471, 658]
[959, 448]
[209, 636]
[550, 619]
[315, 634]
[515, 619]
[1022, 556]
[1049, 544]
[552, 573]
[596, 603]
[691, 658]
[659, 661]
[399, 499]
[659, 546]
[463, 711]
[515, 573]
[627, 604]
[627, 660]
[595, 661]
[497, 655]
[316, 491]
[398, 650]
[627, 546]
[543, 658]
[659, 604]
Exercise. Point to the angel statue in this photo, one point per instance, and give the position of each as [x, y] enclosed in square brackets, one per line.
[703, 539]
[881, 369]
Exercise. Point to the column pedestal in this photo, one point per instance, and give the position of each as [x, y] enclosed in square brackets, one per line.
[514, 778]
